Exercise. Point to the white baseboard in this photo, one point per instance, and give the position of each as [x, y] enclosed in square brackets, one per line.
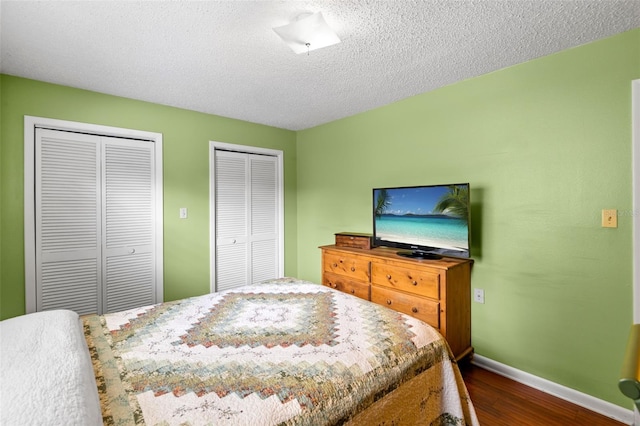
[582, 399]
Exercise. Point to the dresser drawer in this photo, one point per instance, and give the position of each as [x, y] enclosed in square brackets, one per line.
[415, 281]
[348, 266]
[416, 306]
[345, 285]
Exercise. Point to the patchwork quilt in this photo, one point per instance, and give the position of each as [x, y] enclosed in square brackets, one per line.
[282, 352]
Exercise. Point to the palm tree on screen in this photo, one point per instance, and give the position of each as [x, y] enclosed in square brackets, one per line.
[382, 202]
[455, 202]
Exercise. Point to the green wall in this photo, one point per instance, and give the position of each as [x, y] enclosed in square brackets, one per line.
[545, 145]
[186, 136]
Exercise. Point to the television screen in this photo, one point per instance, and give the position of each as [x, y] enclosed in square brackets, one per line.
[428, 221]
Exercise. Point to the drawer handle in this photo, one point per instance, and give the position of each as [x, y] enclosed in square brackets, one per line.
[353, 291]
[414, 282]
[335, 265]
[388, 277]
[414, 310]
[388, 302]
[353, 269]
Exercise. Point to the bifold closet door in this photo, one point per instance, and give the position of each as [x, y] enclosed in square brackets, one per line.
[246, 218]
[94, 202]
[68, 221]
[128, 228]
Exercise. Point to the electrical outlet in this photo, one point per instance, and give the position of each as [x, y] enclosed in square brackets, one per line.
[478, 295]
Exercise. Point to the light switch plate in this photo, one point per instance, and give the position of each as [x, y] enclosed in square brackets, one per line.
[183, 212]
[609, 218]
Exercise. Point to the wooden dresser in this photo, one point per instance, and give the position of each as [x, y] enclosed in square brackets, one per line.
[437, 292]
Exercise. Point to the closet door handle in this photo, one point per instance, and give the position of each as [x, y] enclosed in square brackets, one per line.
[132, 251]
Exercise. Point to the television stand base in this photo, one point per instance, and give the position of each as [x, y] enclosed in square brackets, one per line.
[419, 255]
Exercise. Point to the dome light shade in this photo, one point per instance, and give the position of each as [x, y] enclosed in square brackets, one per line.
[307, 33]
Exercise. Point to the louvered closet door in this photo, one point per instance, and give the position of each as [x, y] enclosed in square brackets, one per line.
[68, 221]
[264, 231]
[128, 226]
[95, 221]
[246, 218]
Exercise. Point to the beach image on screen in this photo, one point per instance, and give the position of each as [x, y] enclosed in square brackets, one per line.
[434, 216]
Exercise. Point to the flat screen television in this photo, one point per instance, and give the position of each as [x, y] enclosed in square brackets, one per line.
[427, 222]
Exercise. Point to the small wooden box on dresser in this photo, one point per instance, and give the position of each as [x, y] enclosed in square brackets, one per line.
[437, 292]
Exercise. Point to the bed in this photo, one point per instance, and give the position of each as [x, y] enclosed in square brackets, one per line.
[281, 352]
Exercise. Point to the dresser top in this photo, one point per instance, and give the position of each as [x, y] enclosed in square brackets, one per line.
[392, 254]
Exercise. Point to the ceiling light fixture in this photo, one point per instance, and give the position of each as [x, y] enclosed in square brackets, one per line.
[308, 32]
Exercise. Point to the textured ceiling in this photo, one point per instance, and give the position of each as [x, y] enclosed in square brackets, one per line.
[223, 58]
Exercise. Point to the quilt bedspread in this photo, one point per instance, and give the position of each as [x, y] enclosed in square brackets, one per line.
[283, 351]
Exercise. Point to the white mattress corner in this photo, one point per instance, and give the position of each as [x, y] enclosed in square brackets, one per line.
[46, 375]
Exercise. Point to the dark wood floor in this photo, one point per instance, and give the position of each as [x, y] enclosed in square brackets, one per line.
[500, 401]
